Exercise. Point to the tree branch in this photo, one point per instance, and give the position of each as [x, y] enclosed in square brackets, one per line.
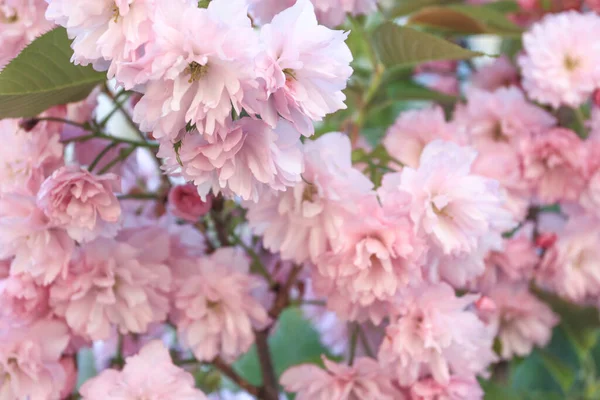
[270, 387]
[231, 374]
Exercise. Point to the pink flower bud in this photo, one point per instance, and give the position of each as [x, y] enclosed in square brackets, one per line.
[185, 203]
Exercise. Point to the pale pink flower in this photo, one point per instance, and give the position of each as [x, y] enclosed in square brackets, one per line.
[590, 198]
[68, 364]
[20, 23]
[149, 374]
[39, 250]
[500, 73]
[413, 130]
[263, 11]
[83, 204]
[22, 300]
[249, 159]
[560, 66]
[339, 300]
[555, 163]
[185, 203]
[457, 269]
[454, 208]
[521, 319]
[363, 380]
[27, 157]
[203, 80]
[434, 332]
[459, 388]
[503, 115]
[215, 310]
[30, 365]
[569, 268]
[306, 67]
[124, 283]
[108, 34]
[300, 222]
[375, 255]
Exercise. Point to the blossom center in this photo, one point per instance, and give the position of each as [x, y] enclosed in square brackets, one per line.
[571, 63]
[196, 71]
[289, 73]
[115, 12]
[8, 16]
[310, 191]
[498, 134]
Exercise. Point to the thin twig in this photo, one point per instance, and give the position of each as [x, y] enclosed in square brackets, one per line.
[122, 157]
[353, 343]
[365, 343]
[101, 155]
[270, 387]
[235, 377]
[140, 196]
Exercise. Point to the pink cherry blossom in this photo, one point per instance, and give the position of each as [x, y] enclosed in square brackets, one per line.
[503, 115]
[20, 23]
[215, 310]
[459, 388]
[198, 81]
[306, 68]
[556, 164]
[27, 157]
[185, 203]
[569, 267]
[560, 66]
[454, 208]
[121, 282]
[413, 130]
[434, 333]
[374, 257]
[248, 160]
[22, 300]
[39, 250]
[363, 380]
[501, 72]
[522, 320]
[149, 374]
[300, 222]
[82, 203]
[30, 365]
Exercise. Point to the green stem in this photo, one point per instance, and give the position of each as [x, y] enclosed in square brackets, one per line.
[64, 121]
[98, 135]
[580, 122]
[365, 343]
[353, 343]
[101, 155]
[118, 107]
[122, 157]
[139, 196]
[256, 261]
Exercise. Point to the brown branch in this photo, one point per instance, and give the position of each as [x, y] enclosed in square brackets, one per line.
[270, 387]
[231, 374]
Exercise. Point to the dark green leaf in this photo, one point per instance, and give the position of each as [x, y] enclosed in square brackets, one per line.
[562, 373]
[43, 76]
[400, 46]
[496, 391]
[504, 6]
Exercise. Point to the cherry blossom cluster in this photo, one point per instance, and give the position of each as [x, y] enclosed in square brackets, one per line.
[170, 252]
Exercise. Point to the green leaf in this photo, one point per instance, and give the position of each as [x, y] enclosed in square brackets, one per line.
[42, 76]
[406, 7]
[400, 46]
[86, 368]
[562, 373]
[294, 342]
[467, 19]
[504, 6]
[496, 391]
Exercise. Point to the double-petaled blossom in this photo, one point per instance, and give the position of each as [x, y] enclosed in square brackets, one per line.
[300, 222]
[39, 249]
[365, 379]
[569, 267]
[459, 388]
[556, 165]
[454, 208]
[521, 319]
[27, 157]
[22, 300]
[215, 310]
[375, 255]
[123, 282]
[413, 130]
[561, 61]
[248, 159]
[108, 34]
[20, 23]
[150, 374]
[433, 332]
[500, 73]
[83, 204]
[30, 365]
[305, 67]
[203, 67]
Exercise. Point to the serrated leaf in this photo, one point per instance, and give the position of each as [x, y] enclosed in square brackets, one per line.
[42, 76]
[400, 46]
[466, 19]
